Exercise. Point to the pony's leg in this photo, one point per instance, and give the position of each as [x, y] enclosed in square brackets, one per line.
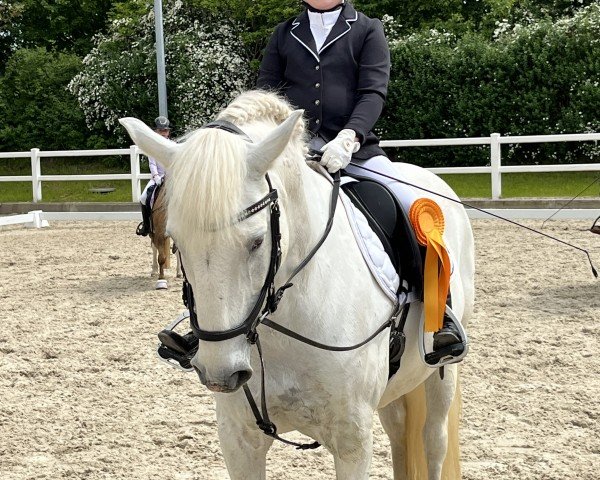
[178, 263]
[393, 420]
[162, 259]
[154, 260]
[439, 394]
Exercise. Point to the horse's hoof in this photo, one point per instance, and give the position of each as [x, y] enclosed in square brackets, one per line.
[161, 285]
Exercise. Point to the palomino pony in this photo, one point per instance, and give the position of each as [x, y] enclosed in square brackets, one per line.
[161, 243]
[225, 247]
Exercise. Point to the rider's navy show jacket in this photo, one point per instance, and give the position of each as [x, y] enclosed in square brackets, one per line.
[343, 85]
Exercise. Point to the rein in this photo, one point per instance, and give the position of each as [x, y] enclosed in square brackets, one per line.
[269, 297]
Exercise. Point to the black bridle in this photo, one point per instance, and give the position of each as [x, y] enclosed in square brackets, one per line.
[269, 297]
[248, 326]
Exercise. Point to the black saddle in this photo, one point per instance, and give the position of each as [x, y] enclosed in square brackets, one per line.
[389, 221]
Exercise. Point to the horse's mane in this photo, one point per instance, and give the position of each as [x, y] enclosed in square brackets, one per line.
[207, 176]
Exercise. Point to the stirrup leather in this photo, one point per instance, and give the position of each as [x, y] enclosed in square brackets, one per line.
[176, 357]
[446, 355]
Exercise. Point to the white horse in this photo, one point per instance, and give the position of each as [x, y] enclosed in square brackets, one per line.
[329, 396]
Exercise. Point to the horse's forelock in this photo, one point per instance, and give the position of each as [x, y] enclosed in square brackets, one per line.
[206, 181]
[207, 178]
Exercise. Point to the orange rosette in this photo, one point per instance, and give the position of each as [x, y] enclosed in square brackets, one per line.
[428, 222]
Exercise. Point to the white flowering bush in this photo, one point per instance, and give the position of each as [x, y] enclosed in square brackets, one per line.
[206, 66]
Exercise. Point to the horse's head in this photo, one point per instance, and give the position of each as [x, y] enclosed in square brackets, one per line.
[212, 178]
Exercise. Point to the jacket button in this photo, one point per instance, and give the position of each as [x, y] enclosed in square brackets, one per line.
[317, 102]
[317, 85]
[317, 121]
[317, 67]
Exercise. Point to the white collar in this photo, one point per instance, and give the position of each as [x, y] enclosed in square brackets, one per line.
[326, 19]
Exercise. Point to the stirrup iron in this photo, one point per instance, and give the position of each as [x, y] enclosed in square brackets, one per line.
[446, 355]
[173, 358]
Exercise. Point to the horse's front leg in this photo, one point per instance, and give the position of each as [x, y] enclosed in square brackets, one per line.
[244, 446]
[352, 447]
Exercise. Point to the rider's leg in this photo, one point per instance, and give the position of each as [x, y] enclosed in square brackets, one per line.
[448, 335]
[180, 348]
[143, 228]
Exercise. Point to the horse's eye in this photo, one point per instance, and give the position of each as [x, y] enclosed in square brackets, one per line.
[256, 244]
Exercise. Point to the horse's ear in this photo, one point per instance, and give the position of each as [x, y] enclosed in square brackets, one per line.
[160, 148]
[263, 154]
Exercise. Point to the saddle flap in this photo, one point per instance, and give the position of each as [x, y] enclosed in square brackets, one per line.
[390, 223]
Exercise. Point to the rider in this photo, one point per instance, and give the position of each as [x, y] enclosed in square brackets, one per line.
[162, 128]
[334, 63]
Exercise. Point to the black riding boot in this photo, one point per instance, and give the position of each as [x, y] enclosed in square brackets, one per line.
[143, 228]
[448, 345]
[447, 335]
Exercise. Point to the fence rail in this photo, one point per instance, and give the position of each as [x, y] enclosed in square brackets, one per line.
[495, 168]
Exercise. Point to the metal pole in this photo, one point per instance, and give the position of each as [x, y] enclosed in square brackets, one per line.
[160, 59]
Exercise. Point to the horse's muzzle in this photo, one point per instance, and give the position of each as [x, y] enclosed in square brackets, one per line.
[228, 385]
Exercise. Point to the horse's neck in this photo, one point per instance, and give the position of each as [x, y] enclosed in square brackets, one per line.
[307, 212]
[336, 285]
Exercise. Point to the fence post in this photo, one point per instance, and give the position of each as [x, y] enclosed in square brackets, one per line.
[495, 162]
[36, 171]
[134, 159]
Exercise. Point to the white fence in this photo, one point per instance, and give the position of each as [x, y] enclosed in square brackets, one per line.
[36, 178]
[495, 141]
[495, 168]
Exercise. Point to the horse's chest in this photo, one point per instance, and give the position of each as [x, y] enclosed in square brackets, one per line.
[304, 404]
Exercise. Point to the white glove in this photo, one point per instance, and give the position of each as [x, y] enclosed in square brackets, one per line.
[157, 179]
[338, 153]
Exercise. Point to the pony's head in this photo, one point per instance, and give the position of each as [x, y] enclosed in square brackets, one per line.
[211, 178]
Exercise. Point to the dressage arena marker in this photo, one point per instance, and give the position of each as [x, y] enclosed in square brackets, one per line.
[31, 219]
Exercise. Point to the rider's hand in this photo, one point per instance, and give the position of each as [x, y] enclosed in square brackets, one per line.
[157, 179]
[338, 153]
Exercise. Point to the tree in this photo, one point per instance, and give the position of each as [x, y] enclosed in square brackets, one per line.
[65, 25]
[257, 18]
[206, 67]
[38, 111]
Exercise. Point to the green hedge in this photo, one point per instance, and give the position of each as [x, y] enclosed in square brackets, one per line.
[539, 79]
[37, 110]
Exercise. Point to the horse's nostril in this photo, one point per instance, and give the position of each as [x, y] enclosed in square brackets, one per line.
[238, 379]
[200, 375]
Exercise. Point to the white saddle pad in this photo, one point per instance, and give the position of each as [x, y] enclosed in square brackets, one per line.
[375, 256]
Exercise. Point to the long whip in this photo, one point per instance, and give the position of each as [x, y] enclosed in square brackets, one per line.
[571, 201]
[482, 211]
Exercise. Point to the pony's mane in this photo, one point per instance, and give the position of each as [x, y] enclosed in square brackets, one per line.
[207, 176]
